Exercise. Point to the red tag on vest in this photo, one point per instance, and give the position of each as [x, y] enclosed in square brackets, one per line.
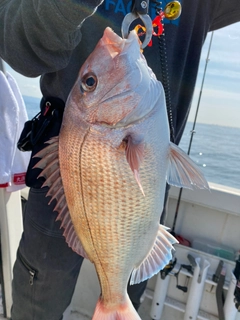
[19, 178]
[4, 185]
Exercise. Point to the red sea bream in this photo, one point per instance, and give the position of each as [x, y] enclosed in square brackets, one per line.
[109, 167]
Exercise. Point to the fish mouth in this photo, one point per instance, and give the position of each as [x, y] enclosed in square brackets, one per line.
[117, 45]
[113, 42]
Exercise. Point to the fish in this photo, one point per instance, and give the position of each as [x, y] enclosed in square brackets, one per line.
[107, 171]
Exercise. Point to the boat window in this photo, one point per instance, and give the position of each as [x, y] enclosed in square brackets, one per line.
[215, 145]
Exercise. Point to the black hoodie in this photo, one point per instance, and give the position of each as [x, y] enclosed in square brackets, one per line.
[53, 38]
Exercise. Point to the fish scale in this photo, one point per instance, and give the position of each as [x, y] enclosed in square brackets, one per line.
[114, 204]
[115, 158]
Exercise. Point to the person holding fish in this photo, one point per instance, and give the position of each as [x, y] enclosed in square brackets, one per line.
[101, 149]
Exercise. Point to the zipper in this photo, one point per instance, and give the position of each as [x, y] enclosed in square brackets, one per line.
[31, 271]
[32, 275]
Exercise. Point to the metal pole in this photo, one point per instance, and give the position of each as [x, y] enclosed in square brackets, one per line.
[193, 130]
[200, 95]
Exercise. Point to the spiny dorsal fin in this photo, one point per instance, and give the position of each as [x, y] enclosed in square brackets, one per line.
[51, 172]
[158, 257]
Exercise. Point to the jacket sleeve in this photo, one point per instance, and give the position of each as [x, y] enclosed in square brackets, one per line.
[225, 13]
[38, 36]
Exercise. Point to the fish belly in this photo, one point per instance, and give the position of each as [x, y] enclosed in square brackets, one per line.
[115, 223]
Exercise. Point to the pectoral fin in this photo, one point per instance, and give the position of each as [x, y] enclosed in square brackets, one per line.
[182, 171]
[134, 155]
[158, 257]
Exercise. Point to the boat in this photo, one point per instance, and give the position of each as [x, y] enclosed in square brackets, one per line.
[208, 219]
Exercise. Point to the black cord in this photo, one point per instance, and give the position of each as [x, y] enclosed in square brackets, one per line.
[164, 70]
[165, 82]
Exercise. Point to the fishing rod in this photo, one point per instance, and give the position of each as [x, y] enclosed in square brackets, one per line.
[193, 131]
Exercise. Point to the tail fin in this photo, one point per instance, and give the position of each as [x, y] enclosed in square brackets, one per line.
[124, 311]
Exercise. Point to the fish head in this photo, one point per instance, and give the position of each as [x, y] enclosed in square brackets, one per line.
[111, 85]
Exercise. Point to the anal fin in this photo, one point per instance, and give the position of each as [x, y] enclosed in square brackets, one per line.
[158, 257]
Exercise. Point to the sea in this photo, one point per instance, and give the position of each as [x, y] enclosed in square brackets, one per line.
[215, 149]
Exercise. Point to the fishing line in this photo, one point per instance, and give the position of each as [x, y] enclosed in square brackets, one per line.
[192, 131]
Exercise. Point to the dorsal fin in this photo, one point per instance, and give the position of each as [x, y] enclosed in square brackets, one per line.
[51, 172]
[158, 257]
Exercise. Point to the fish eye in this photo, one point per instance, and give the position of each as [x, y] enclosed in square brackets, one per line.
[89, 82]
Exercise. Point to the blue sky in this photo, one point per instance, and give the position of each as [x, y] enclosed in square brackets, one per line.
[220, 101]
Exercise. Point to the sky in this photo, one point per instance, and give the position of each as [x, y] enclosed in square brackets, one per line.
[220, 99]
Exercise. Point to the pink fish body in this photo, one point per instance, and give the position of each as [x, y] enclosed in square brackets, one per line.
[115, 157]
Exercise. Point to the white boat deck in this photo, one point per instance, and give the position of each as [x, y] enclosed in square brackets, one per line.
[213, 216]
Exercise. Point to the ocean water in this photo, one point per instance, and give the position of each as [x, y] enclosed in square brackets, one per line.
[32, 105]
[216, 149]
